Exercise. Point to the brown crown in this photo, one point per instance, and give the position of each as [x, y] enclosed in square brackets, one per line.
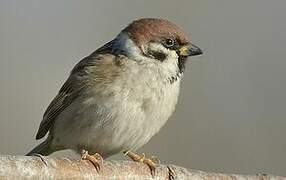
[149, 29]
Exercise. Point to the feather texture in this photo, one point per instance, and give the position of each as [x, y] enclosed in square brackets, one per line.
[78, 80]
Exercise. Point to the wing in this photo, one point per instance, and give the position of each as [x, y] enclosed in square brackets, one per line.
[75, 85]
[67, 94]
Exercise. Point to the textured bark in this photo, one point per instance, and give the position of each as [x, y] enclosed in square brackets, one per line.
[24, 167]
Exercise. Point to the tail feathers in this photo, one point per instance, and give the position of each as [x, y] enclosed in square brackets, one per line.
[43, 149]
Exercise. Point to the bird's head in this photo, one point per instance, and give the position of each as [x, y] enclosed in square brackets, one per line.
[157, 41]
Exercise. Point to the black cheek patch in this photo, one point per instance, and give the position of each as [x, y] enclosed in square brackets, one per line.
[158, 55]
[181, 63]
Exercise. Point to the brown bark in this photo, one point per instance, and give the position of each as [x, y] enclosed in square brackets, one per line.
[24, 167]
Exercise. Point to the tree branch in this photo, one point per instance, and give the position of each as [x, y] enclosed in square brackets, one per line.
[24, 167]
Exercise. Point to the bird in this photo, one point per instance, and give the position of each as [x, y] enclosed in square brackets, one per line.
[119, 96]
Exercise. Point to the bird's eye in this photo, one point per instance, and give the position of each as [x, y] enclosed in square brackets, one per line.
[169, 42]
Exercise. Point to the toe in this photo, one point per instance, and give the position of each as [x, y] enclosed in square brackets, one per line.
[151, 165]
[95, 159]
[94, 162]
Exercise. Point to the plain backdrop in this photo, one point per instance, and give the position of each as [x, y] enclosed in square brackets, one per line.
[231, 116]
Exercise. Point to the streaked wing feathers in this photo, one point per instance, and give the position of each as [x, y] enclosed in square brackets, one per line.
[72, 88]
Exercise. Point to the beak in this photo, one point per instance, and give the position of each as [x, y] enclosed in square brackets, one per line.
[190, 50]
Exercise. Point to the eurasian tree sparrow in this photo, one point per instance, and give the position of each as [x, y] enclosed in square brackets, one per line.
[118, 97]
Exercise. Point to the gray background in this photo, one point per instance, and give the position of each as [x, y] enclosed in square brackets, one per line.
[231, 113]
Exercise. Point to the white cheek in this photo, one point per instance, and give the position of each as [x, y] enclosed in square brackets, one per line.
[170, 64]
[166, 69]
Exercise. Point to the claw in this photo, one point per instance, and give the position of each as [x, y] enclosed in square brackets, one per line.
[95, 159]
[150, 162]
[151, 165]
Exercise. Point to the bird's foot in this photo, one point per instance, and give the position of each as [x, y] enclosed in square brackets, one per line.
[96, 159]
[150, 162]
